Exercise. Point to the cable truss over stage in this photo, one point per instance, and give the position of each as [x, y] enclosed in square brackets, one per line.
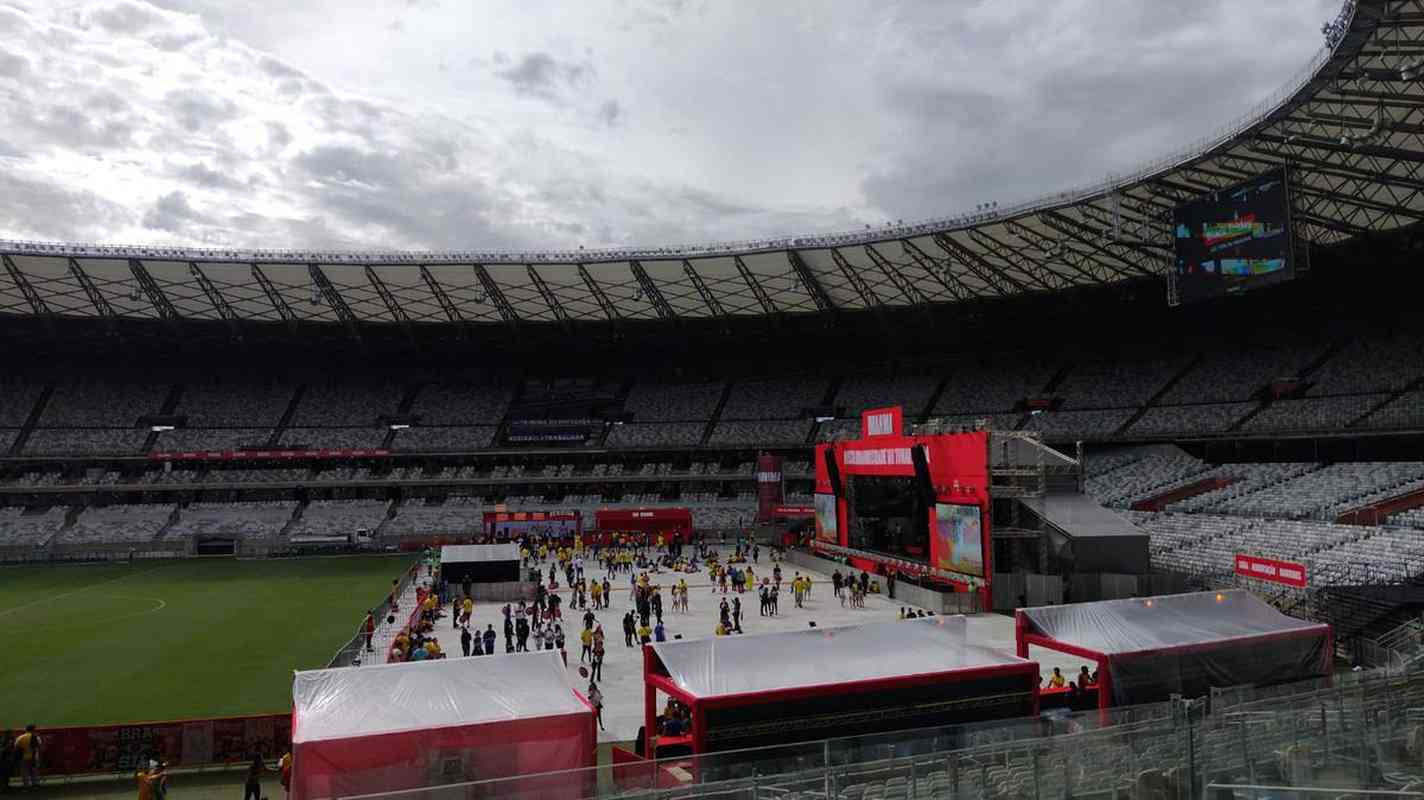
[1348, 127]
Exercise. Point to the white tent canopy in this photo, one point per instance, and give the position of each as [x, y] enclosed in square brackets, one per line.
[348, 702]
[465, 553]
[727, 665]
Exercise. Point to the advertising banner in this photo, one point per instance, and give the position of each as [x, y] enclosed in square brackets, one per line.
[265, 455]
[769, 485]
[181, 743]
[1288, 573]
[888, 421]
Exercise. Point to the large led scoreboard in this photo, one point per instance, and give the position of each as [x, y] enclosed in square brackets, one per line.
[1234, 240]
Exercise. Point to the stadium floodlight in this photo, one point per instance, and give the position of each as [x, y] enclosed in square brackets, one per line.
[400, 426]
[824, 419]
[160, 428]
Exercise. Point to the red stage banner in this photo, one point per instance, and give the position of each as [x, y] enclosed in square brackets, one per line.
[1289, 573]
[769, 484]
[183, 743]
[793, 511]
[888, 421]
[265, 455]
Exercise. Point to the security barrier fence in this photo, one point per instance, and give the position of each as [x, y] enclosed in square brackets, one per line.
[355, 650]
[1363, 735]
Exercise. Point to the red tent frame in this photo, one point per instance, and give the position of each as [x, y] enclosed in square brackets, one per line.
[653, 682]
[1023, 639]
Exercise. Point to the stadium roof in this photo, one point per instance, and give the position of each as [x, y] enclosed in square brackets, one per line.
[1348, 126]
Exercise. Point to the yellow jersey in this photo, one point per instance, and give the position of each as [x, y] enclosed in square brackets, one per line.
[26, 744]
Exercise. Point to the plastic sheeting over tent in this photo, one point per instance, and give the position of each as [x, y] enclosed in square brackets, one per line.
[728, 665]
[413, 725]
[463, 553]
[776, 688]
[1149, 648]
[480, 563]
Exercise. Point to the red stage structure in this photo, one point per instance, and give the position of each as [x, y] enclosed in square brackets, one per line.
[672, 523]
[365, 730]
[818, 683]
[918, 504]
[1147, 649]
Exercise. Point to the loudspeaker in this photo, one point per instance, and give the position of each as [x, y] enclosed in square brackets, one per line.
[922, 474]
[833, 471]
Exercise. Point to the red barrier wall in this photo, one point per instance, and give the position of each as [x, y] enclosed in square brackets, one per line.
[186, 743]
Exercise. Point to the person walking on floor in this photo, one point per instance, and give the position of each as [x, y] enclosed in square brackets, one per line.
[596, 670]
[595, 699]
[489, 640]
[465, 639]
[252, 787]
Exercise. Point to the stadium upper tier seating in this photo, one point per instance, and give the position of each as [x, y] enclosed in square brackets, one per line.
[1359, 382]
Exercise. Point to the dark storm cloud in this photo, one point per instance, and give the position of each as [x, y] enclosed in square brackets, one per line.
[173, 213]
[74, 127]
[126, 18]
[40, 209]
[398, 192]
[197, 110]
[202, 175]
[12, 65]
[610, 112]
[1112, 109]
[541, 75]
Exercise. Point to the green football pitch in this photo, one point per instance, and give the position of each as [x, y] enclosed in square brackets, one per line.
[169, 640]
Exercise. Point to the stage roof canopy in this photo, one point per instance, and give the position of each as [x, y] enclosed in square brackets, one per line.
[348, 702]
[729, 665]
[466, 553]
[1119, 627]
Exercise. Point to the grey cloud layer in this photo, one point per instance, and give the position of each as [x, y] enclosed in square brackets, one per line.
[202, 121]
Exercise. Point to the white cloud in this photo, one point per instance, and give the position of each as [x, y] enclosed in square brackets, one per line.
[548, 124]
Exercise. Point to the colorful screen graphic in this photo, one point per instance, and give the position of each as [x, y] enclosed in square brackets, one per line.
[1234, 240]
[959, 533]
[826, 529]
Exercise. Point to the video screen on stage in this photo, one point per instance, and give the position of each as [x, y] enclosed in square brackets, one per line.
[827, 529]
[960, 530]
[887, 515]
[1234, 240]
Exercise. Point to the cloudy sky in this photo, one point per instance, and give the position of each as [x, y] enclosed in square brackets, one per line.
[491, 124]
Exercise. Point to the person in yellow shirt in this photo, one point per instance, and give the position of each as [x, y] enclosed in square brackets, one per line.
[28, 746]
[720, 630]
[1057, 681]
[645, 634]
[285, 765]
[145, 789]
[469, 607]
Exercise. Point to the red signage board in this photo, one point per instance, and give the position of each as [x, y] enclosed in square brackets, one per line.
[888, 421]
[182, 743]
[793, 511]
[1288, 573]
[265, 455]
